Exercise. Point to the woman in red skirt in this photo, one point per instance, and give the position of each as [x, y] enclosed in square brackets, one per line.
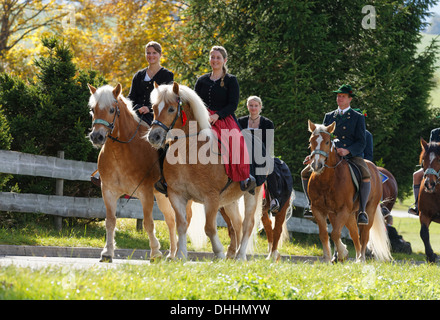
[220, 92]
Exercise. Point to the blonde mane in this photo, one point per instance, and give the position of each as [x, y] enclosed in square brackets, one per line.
[188, 96]
[103, 97]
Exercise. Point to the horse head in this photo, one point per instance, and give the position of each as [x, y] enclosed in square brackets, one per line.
[104, 108]
[430, 161]
[174, 107]
[320, 145]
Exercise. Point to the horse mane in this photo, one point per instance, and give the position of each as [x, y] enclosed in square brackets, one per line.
[103, 97]
[188, 96]
[432, 147]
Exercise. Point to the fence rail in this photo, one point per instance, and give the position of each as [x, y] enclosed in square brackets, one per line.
[13, 162]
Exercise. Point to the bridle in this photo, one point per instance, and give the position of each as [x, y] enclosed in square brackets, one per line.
[179, 112]
[111, 126]
[325, 154]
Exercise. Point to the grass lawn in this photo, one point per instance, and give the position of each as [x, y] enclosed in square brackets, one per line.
[38, 230]
[257, 279]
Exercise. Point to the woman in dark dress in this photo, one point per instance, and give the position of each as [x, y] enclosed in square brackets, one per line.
[279, 181]
[220, 92]
[143, 82]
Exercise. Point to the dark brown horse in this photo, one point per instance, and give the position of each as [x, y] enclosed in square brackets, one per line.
[390, 190]
[331, 193]
[429, 196]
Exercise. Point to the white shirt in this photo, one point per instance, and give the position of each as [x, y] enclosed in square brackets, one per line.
[343, 111]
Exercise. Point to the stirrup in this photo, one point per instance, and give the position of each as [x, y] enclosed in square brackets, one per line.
[307, 214]
[162, 187]
[274, 207]
[413, 210]
[362, 218]
[248, 185]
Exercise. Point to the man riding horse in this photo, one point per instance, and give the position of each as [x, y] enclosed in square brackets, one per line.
[350, 143]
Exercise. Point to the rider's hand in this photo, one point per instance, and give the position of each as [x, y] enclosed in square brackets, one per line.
[144, 110]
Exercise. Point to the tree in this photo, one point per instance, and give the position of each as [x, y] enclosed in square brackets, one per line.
[19, 19]
[294, 53]
[52, 114]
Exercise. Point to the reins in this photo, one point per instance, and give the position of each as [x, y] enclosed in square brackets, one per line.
[325, 154]
[111, 126]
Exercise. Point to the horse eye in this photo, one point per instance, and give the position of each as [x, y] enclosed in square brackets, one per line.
[112, 110]
[171, 109]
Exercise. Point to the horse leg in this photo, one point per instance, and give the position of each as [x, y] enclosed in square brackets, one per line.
[354, 235]
[211, 209]
[231, 232]
[321, 220]
[110, 202]
[179, 205]
[424, 234]
[165, 207]
[337, 225]
[232, 214]
[250, 206]
[267, 224]
[364, 232]
[280, 219]
[147, 201]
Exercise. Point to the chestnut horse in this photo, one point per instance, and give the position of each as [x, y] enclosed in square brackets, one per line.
[331, 193]
[127, 164]
[429, 195]
[276, 231]
[390, 190]
[193, 168]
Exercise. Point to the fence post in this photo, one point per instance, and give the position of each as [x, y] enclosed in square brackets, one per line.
[59, 190]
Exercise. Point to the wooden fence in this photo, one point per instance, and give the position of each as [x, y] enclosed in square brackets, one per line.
[12, 162]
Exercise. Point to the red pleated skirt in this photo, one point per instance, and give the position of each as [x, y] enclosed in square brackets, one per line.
[233, 148]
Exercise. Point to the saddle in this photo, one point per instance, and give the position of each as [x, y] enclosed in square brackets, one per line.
[356, 177]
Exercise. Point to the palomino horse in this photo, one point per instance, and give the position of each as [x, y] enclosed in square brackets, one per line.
[331, 193]
[390, 190]
[193, 170]
[429, 196]
[126, 164]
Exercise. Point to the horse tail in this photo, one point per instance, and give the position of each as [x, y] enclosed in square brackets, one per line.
[196, 227]
[284, 231]
[379, 241]
[252, 244]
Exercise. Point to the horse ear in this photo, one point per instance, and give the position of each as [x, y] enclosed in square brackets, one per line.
[176, 88]
[331, 127]
[117, 90]
[423, 143]
[91, 88]
[156, 85]
[312, 126]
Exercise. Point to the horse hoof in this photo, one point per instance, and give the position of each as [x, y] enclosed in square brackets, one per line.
[156, 256]
[106, 259]
[432, 258]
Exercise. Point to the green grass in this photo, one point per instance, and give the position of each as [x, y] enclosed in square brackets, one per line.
[225, 280]
[39, 231]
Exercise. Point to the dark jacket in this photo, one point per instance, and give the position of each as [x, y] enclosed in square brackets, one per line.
[140, 90]
[265, 124]
[368, 151]
[350, 131]
[435, 135]
[222, 100]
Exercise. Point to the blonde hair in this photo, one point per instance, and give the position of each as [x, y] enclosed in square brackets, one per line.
[258, 99]
[224, 54]
[156, 46]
